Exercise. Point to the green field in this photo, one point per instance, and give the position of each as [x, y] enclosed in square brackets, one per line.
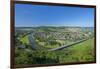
[24, 40]
[82, 52]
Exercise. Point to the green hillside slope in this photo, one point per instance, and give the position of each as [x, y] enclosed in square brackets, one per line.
[81, 52]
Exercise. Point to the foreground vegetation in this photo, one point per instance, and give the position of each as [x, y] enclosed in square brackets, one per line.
[82, 52]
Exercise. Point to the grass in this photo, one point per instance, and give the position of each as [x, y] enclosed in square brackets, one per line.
[24, 40]
[81, 52]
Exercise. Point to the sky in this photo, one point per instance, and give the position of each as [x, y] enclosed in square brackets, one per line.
[27, 15]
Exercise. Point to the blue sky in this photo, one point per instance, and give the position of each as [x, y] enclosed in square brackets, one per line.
[27, 15]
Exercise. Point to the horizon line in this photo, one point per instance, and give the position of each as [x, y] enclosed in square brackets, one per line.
[54, 26]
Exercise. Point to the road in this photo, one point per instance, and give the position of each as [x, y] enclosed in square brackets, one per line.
[65, 46]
